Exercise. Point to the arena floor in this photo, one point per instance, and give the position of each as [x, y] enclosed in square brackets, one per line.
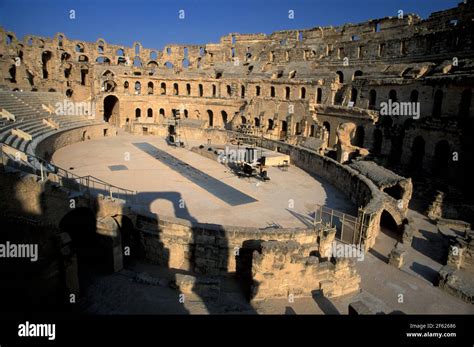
[177, 182]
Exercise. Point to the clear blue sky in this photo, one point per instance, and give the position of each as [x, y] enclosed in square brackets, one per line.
[155, 23]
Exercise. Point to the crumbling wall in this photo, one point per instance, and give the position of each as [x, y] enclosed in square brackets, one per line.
[283, 269]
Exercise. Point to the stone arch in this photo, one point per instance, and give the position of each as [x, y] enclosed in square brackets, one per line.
[224, 117]
[359, 136]
[111, 109]
[210, 118]
[392, 95]
[372, 99]
[389, 225]
[94, 251]
[357, 73]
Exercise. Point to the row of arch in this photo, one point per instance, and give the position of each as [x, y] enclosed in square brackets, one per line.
[229, 91]
[464, 104]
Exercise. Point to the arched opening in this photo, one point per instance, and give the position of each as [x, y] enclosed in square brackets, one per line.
[188, 89]
[80, 48]
[270, 124]
[109, 86]
[12, 72]
[214, 90]
[311, 130]
[357, 73]
[163, 88]
[138, 113]
[437, 103]
[377, 141]
[103, 60]
[201, 90]
[83, 59]
[417, 153]
[297, 128]
[441, 158]
[327, 126]
[465, 104]
[45, 58]
[137, 62]
[243, 120]
[149, 113]
[414, 96]
[229, 91]
[162, 112]
[138, 88]
[257, 90]
[91, 249]
[389, 227]
[242, 91]
[150, 88]
[287, 93]
[303, 93]
[319, 95]
[256, 121]
[392, 95]
[224, 117]
[340, 77]
[353, 96]
[372, 99]
[175, 89]
[272, 92]
[210, 117]
[111, 109]
[359, 136]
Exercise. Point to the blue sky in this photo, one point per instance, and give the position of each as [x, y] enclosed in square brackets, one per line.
[155, 23]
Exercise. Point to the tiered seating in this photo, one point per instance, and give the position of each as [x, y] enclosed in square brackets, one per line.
[29, 114]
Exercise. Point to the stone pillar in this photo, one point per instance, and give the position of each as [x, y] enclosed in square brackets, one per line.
[397, 255]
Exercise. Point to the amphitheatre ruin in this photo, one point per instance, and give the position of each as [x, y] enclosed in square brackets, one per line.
[314, 171]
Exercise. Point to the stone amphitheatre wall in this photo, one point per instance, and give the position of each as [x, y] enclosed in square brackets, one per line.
[51, 144]
[358, 188]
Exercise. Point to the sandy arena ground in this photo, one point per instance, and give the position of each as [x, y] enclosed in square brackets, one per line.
[210, 192]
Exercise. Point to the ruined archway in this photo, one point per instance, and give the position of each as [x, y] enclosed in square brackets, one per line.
[389, 226]
[80, 225]
[111, 110]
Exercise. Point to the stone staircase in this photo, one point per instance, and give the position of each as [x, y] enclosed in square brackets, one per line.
[27, 107]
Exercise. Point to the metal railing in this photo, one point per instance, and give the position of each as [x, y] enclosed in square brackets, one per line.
[12, 157]
[349, 229]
